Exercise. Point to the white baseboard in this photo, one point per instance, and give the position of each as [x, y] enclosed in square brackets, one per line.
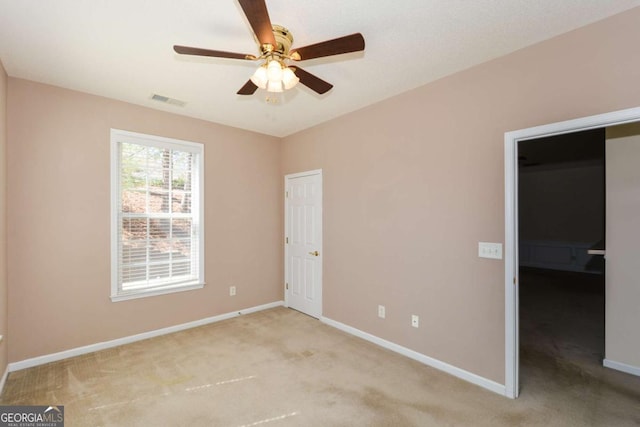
[41, 360]
[3, 380]
[434, 363]
[618, 366]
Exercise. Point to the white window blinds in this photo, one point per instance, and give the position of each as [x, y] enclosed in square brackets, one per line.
[158, 233]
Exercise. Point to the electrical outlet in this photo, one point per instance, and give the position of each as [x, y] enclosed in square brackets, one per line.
[232, 290]
[415, 320]
[381, 311]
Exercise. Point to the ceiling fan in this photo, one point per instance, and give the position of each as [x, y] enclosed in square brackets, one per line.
[274, 74]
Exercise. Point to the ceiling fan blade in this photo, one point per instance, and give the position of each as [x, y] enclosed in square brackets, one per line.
[346, 44]
[185, 50]
[248, 89]
[258, 16]
[312, 82]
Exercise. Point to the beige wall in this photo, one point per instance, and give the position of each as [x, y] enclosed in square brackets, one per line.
[622, 321]
[58, 154]
[413, 183]
[3, 221]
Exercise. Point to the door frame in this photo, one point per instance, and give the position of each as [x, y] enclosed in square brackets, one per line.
[512, 298]
[286, 224]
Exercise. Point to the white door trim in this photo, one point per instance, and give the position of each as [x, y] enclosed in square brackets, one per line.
[286, 223]
[511, 140]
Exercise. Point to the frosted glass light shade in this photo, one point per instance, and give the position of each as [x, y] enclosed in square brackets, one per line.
[259, 78]
[289, 78]
[274, 71]
[273, 86]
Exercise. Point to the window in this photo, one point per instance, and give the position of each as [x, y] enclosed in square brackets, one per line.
[157, 235]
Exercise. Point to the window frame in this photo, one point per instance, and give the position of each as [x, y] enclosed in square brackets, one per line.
[197, 209]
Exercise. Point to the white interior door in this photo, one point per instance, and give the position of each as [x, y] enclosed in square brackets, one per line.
[303, 242]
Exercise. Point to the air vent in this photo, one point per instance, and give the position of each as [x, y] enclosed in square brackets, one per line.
[168, 100]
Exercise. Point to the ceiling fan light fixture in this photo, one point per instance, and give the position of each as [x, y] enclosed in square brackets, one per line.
[289, 78]
[260, 78]
[274, 76]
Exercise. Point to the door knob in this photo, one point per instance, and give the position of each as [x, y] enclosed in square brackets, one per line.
[314, 253]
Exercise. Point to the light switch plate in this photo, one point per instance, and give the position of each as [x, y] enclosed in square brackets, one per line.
[490, 250]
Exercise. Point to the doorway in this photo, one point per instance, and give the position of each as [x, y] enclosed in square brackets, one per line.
[512, 274]
[561, 233]
[303, 242]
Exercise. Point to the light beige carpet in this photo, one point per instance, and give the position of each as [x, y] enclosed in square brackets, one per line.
[282, 368]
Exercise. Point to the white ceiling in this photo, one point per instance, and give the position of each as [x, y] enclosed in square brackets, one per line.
[122, 49]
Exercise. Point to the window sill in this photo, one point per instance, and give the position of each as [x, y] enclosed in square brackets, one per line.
[153, 292]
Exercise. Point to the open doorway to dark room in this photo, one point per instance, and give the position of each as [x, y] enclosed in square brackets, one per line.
[561, 217]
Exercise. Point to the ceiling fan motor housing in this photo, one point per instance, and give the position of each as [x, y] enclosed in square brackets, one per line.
[284, 40]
